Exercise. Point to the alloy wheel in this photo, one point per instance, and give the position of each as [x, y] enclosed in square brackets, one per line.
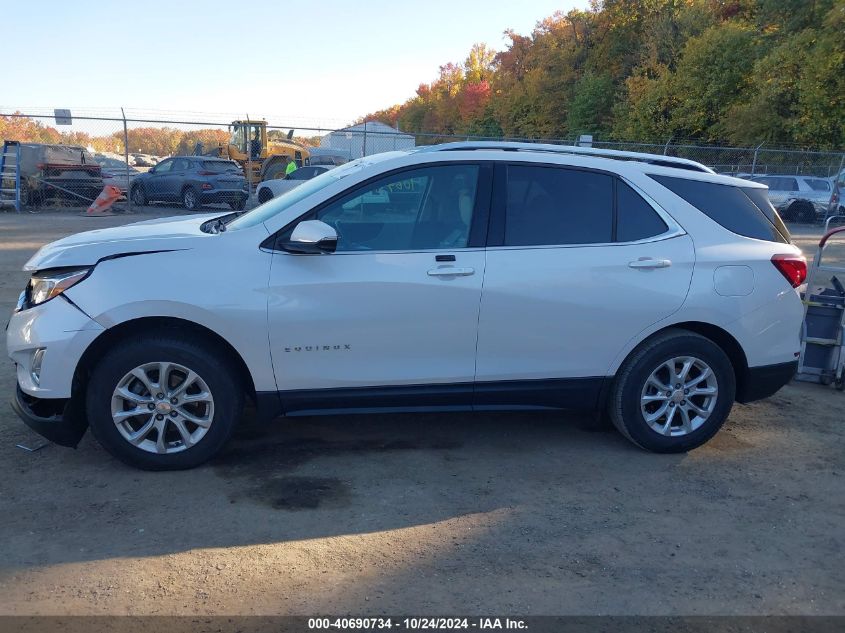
[679, 396]
[162, 407]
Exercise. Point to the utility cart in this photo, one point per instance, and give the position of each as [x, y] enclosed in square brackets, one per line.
[823, 331]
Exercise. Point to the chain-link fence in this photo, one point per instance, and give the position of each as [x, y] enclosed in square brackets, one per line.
[125, 145]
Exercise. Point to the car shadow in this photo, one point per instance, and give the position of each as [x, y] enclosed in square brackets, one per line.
[298, 478]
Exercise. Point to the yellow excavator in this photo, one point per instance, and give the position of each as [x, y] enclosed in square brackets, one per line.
[261, 158]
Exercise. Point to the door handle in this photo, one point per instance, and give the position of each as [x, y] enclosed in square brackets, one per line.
[647, 263]
[450, 271]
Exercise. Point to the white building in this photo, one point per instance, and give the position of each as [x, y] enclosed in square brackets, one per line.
[367, 138]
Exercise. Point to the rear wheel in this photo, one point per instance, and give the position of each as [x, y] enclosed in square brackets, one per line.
[28, 201]
[238, 205]
[673, 393]
[191, 199]
[163, 403]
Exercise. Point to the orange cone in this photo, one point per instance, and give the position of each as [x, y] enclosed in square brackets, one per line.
[108, 196]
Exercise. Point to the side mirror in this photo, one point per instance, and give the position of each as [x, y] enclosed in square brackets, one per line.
[311, 237]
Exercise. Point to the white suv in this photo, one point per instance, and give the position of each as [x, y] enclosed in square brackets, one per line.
[467, 276]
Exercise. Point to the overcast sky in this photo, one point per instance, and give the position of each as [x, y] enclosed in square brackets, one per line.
[294, 62]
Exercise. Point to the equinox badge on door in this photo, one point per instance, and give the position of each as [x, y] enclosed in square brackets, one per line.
[319, 348]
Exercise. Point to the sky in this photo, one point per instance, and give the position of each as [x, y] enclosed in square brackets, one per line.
[321, 63]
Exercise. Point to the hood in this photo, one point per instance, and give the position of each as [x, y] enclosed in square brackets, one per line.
[84, 249]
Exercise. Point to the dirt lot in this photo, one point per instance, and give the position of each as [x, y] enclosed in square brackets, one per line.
[522, 513]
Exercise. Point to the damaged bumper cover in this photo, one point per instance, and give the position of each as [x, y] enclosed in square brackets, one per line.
[62, 421]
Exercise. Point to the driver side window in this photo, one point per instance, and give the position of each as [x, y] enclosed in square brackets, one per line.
[419, 209]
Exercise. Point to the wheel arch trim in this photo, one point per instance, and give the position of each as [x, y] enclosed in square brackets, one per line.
[149, 324]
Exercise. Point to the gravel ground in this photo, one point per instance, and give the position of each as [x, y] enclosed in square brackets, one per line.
[522, 513]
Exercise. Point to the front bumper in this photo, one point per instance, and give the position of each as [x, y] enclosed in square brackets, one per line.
[62, 421]
[63, 331]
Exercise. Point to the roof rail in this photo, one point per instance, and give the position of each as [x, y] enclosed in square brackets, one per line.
[652, 159]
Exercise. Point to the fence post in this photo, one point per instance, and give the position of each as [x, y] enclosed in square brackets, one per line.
[666, 147]
[364, 146]
[126, 159]
[841, 162]
[754, 160]
[248, 145]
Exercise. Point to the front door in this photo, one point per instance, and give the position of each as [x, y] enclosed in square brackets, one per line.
[579, 264]
[156, 183]
[397, 303]
[174, 180]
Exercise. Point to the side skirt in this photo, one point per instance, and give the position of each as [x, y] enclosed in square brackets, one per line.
[558, 393]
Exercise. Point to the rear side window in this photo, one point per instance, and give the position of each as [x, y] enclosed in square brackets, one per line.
[728, 205]
[817, 184]
[636, 220]
[761, 200]
[550, 205]
[219, 166]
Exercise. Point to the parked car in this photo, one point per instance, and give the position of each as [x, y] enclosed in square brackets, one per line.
[467, 276]
[64, 173]
[142, 160]
[191, 181]
[269, 189]
[799, 198]
[115, 172]
[837, 204]
[327, 156]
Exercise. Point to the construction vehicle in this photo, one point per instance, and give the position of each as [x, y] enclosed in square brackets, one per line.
[260, 157]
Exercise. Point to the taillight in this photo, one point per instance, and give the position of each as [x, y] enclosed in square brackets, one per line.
[793, 267]
[835, 197]
[205, 185]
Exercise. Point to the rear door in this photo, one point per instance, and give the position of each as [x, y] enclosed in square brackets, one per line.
[578, 263]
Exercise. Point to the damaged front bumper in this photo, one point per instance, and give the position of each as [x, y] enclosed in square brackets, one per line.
[61, 421]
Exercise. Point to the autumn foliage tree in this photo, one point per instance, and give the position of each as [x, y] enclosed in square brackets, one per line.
[718, 71]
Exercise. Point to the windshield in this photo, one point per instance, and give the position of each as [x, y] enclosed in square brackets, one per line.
[237, 138]
[275, 206]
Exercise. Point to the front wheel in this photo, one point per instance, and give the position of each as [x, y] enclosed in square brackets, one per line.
[162, 402]
[807, 213]
[673, 393]
[264, 195]
[139, 197]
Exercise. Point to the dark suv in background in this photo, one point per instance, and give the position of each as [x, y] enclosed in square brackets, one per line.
[192, 181]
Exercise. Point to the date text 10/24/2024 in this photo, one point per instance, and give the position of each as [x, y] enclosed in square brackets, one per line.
[417, 623]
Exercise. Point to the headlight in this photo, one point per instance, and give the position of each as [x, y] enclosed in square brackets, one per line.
[45, 285]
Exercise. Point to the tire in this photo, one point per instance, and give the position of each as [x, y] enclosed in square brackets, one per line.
[238, 205]
[264, 195]
[138, 196]
[790, 214]
[191, 199]
[274, 171]
[216, 399]
[633, 394]
[806, 213]
[28, 201]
